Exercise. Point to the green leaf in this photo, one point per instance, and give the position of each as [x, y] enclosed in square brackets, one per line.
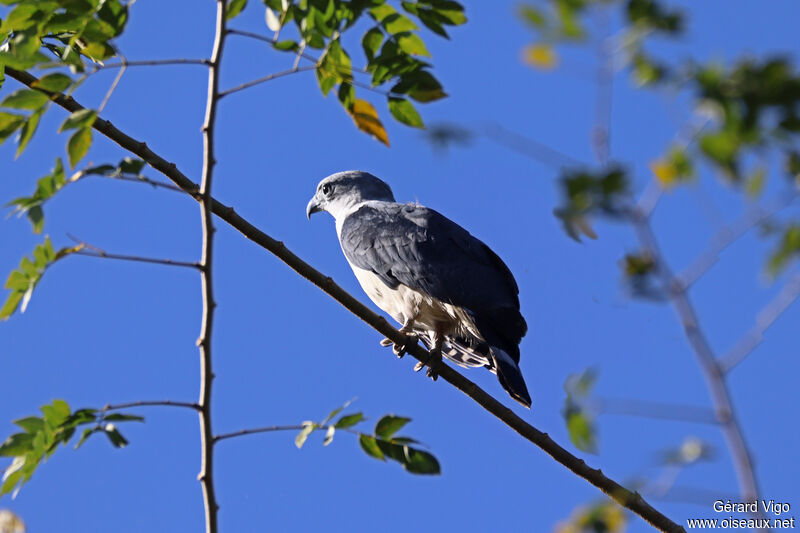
[114, 436]
[31, 424]
[88, 432]
[389, 425]
[130, 165]
[287, 45]
[411, 44]
[347, 421]
[9, 123]
[370, 446]
[28, 129]
[83, 118]
[55, 413]
[16, 445]
[381, 11]
[421, 86]
[581, 432]
[78, 145]
[25, 99]
[301, 437]
[404, 112]
[36, 216]
[372, 42]
[420, 462]
[234, 7]
[121, 417]
[397, 23]
[55, 82]
[11, 304]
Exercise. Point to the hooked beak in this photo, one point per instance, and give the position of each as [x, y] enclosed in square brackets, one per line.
[312, 207]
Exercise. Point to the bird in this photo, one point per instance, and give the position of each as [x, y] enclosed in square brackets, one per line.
[444, 286]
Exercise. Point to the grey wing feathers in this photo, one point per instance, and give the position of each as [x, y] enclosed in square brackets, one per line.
[427, 252]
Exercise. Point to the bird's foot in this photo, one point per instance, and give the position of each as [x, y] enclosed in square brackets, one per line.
[433, 363]
[400, 349]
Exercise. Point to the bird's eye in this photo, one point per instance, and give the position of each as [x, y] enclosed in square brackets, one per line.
[326, 189]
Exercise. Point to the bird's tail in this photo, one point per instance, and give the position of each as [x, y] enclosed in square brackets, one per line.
[510, 377]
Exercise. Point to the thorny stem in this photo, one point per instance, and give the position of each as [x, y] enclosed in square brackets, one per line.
[206, 475]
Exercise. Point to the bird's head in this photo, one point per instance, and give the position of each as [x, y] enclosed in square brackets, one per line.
[340, 192]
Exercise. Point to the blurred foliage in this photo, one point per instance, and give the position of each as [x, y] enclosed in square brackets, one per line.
[579, 419]
[382, 444]
[10, 523]
[753, 107]
[691, 451]
[602, 517]
[587, 193]
[42, 435]
[24, 279]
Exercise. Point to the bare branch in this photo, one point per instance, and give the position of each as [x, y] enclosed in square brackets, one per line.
[714, 376]
[206, 475]
[604, 99]
[730, 234]
[614, 490]
[764, 319]
[528, 147]
[113, 84]
[151, 63]
[265, 79]
[253, 431]
[134, 179]
[684, 413]
[150, 403]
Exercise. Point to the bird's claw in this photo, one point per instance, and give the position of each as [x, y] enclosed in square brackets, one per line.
[433, 363]
[400, 349]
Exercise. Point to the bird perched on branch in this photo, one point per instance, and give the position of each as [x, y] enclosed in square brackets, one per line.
[443, 285]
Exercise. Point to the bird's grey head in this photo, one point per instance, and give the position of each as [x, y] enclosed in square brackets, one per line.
[340, 192]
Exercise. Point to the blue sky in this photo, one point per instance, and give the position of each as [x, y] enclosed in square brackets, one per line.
[100, 331]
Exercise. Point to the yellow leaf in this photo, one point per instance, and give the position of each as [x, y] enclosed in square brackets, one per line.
[366, 118]
[665, 172]
[540, 56]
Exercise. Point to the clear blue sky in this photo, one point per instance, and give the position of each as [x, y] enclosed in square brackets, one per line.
[99, 331]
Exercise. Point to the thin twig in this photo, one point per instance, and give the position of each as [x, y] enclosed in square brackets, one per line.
[114, 84]
[206, 475]
[684, 413]
[150, 403]
[604, 98]
[764, 319]
[151, 63]
[253, 431]
[730, 234]
[614, 490]
[528, 147]
[137, 179]
[93, 251]
[265, 79]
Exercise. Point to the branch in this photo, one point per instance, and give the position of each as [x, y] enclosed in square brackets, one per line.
[93, 251]
[267, 429]
[528, 147]
[712, 372]
[617, 492]
[730, 234]
[764, 319]
[149, 403]
[151, 63]
[206, 475]
[684, 413]
[265, 79]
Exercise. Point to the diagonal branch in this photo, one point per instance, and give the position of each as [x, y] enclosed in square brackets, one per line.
[614, 490]
[93, 251]
[265, 79]
[710, 367]
[765, 318]
[731, 233]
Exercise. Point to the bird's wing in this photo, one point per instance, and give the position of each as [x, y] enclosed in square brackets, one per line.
[429, 253]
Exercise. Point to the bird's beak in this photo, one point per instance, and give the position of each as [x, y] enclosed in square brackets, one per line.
[312, 207]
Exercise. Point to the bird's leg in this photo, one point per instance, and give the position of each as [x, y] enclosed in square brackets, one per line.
[411, 338]
[435, 359]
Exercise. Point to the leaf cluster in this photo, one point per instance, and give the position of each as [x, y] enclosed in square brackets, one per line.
[382, 444]
[42, 435]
